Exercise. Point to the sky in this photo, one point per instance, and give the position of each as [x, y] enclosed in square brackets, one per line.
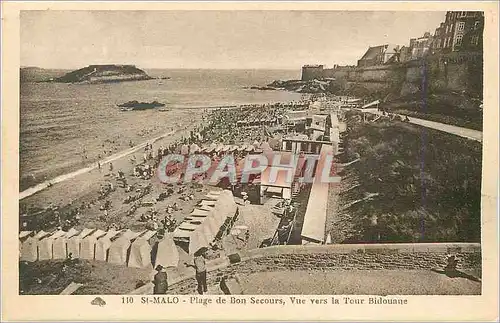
[213, 39]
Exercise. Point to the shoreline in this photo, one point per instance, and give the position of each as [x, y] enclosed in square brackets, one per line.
[61, 178]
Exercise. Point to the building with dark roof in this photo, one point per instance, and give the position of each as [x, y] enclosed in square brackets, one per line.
[461, 31]
[379, 55]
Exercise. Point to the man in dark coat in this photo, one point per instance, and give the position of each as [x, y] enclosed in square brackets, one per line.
[160, 281]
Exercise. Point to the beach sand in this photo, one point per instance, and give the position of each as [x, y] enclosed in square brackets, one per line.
[84, 187]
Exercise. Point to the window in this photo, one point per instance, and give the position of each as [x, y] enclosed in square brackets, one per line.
[474, 40]
[458, 40]
[461, 26]
[463, 14]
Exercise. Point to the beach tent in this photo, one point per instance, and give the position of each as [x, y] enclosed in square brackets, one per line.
[199, 213]
[203, 225]
[182, 234]
[41, 234]
[23, 235]
[197, 240]
[131, 235]
[102, 245]
[225, 207]
[205, 208]
[45, 245]
[73, 244]
[167, 254]
[140, 251]
[205, 221]
[59, 249]
[29, 249]
[119, 248]
[87, 245]
[213, 195]
[207, 202]
[118, 251]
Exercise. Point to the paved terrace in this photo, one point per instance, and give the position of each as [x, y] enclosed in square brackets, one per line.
[404, 269]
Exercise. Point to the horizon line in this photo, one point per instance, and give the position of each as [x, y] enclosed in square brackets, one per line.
[172, 68]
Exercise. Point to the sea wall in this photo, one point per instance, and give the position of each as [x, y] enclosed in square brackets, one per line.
[450, 72]
[334, 257]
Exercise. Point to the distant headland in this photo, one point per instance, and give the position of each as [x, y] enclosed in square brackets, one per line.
[104, 74]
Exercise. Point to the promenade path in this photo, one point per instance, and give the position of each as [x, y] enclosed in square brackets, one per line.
[454, 130]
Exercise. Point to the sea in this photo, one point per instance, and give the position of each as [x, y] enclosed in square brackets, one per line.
[63, 127]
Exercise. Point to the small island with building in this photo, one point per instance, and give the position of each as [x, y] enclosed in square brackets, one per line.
[104, 74]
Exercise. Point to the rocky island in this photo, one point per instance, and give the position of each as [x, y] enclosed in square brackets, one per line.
[136, 105]
[104, 74]
[312, 86]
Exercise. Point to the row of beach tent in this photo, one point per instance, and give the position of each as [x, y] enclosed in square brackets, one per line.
[221, 148]
[202, 225]
[125, 247]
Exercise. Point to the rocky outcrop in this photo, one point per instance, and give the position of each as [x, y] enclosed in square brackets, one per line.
[104, 74]
[312, 86]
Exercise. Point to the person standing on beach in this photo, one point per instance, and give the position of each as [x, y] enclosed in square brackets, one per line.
[201, 270]
[160, 281]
